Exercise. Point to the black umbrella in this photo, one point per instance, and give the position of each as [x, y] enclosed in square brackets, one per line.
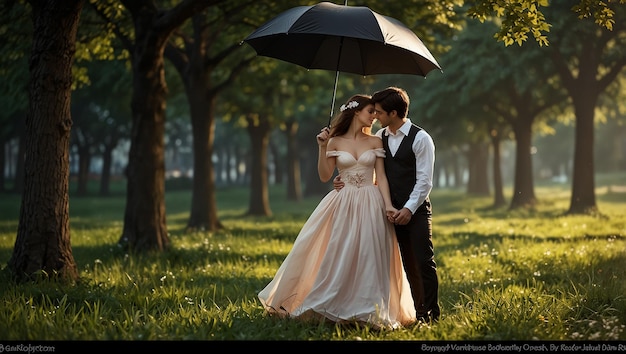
[352, 39]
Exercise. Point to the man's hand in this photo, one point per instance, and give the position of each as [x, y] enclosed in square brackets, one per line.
[402, 216]
[338, 183]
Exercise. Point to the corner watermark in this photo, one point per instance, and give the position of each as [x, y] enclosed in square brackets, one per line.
[26, 348]
[519, 348]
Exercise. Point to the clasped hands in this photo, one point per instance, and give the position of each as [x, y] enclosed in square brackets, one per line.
[399, 217]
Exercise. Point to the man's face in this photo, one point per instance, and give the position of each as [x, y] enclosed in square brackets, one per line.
[382, 115]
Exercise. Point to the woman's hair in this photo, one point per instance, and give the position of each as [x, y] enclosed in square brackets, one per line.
[341, 122]
[393, 99]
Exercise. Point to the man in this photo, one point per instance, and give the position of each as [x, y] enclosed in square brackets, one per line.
[409, 163]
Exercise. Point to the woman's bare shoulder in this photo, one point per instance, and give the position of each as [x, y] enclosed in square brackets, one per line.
[332, 143]
[375, 141]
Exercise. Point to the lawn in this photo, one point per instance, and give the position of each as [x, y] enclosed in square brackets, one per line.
[526, 275]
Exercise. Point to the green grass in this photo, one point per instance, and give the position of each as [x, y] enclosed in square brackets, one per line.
[522, 275]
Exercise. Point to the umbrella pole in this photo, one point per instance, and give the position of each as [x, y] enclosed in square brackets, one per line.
[336, 77]
[332, 106]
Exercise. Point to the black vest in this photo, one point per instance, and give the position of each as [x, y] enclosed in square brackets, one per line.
[400, 169]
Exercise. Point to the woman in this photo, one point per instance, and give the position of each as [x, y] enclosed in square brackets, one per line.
[345, 264]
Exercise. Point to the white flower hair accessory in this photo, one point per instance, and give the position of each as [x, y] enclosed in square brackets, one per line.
[351, 104]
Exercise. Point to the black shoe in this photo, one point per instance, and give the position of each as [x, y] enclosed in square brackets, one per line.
[423, 319]
[427, 319]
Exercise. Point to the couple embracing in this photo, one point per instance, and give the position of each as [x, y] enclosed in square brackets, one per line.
[365, 254]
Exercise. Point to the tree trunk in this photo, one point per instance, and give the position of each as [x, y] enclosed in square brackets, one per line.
[145, 227]
[18, 186]
[84, 160]
[220, 167]
[523, 186]
[259, 131]
[229, 159]
[195, 69]
[457, 170]
[3, 163]
[42, 245]
[498, 186]
[583, 198]
[478, 157]
[105, 176]
[240, 160]
[584, 91]
[294, 182]
[278, 162]
[437, 173]
[203, 215]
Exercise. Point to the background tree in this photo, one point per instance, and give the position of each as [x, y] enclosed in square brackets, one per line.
[588, 56]
[101, 110]
[299, 104]
[205, 54]
[145, 227]
[517, 85]
[231, 148]
[588, 59]
[611, 119]
[256, 114]
[42, 245]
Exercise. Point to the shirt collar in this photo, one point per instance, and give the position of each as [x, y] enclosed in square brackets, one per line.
[404, 129]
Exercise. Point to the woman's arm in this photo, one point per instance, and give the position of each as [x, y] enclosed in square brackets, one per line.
[325, 165]
[383, 184]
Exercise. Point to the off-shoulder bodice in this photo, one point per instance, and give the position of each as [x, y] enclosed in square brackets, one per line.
[357, 171]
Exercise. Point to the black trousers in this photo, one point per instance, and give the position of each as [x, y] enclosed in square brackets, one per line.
[418, 256]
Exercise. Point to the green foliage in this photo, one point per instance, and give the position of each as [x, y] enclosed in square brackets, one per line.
[16, 33]
[518, 18]
[601, 11]
[521, 17]
[525, 275]
[97, 40]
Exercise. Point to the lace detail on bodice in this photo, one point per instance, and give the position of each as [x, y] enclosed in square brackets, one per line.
[359, 171]
[356, 179]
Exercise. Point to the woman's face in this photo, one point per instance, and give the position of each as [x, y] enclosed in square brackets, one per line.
[366, 116]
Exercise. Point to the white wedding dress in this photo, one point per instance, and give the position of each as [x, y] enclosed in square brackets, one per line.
[345, 264]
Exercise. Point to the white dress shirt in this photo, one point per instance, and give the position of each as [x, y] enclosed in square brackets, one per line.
[424, 150]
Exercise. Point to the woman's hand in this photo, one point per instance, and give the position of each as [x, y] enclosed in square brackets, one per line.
[391, 214]
[322, 137]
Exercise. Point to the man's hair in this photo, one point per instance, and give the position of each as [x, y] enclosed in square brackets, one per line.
[393, 99]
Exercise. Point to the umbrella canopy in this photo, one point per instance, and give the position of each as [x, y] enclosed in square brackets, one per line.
[351, 39]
